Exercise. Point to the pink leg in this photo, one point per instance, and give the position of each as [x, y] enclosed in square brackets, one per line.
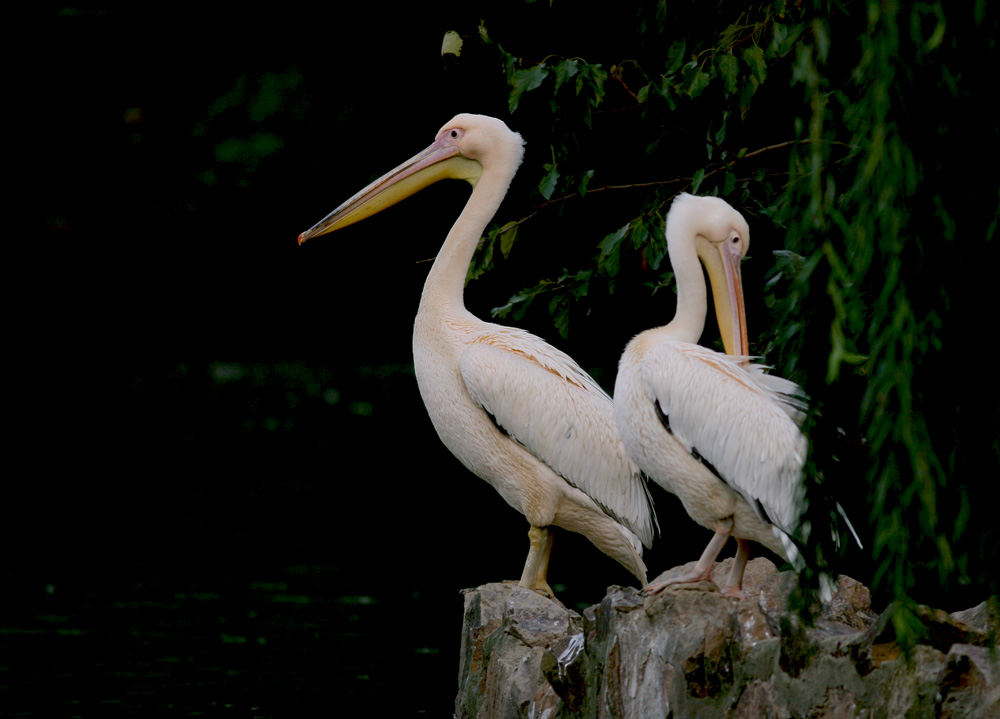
[702, 571]
[537, 565]
[734, 585]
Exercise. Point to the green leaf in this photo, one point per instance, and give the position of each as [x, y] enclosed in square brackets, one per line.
[728, 68]
[746, 93]
[779, 33]
[638, 232]
[452, 44]
[548, 184]
[656, 248]
[484, 35]
[753, 56]
[519, 303]
[729, 184]
[666, 91]
[675, 56]
[581, 283]
[525, 80]
[564, 71]
[720, 134]
[696, 181]
[822, 34]
[695, 80]
[609, 260]
[508, 234]
[482, 261]
[730, 35]
[664, 280]
[592, 78]
[559, 310]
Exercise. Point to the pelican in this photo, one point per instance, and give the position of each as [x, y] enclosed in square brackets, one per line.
[711, 428]
[514, 410]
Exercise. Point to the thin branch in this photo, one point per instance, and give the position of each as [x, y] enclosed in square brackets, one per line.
[654, 183]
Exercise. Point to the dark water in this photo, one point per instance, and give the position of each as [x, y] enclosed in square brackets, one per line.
[213, 541]
[218, 646]
[259, 602]
[135, 625]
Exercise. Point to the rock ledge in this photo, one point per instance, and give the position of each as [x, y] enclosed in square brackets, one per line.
[691, 652]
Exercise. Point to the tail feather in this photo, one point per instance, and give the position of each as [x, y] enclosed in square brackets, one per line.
[794, 555]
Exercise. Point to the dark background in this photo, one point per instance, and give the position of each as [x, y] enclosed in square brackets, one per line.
[230, 500]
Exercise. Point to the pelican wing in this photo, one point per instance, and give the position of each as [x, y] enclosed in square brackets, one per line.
[545, 401]
[742, 422]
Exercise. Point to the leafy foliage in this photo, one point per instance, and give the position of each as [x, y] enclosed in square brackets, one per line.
[253, 120]
[822, 122]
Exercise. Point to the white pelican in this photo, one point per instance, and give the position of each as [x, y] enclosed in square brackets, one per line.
[709, 427]
[515, 411]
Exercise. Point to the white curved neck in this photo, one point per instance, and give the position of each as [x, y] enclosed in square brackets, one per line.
[692, 298]
[445, 284]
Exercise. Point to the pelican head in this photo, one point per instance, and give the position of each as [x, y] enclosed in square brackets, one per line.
[463, 149]
[721, 238]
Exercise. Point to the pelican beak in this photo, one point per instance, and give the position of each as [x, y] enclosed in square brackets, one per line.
[723, 265]
[439, 161]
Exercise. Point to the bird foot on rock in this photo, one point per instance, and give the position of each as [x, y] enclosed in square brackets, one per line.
[734, 592]
[654, 588]
[542, 588]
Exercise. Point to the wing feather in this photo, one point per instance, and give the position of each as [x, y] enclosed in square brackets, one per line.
[740, 420]
[544, 400]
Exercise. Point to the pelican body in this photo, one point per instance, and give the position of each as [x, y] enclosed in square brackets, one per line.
[712, 428]
[514, 410]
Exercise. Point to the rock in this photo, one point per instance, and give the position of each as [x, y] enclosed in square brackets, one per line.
[507, 632]
[692, 652]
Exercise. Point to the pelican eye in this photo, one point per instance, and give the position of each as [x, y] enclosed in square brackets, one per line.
[454, 134]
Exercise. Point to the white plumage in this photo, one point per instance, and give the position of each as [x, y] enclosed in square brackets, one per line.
[711, 428]
[514, 410]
